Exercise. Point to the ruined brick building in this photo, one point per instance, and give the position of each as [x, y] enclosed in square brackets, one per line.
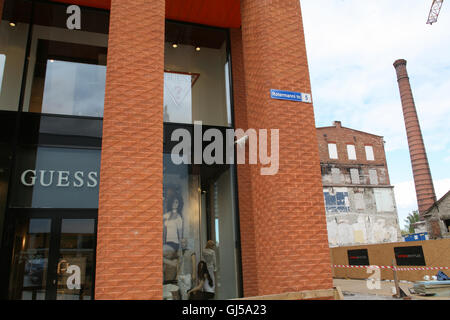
[437, 218]
[359, 199]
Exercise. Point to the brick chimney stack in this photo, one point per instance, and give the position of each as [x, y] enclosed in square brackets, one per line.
[426, 196]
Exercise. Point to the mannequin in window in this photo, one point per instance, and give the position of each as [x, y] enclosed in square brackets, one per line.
[209, 256]
[170, 262]
[173, 222]
[186, 274]
[205, 289]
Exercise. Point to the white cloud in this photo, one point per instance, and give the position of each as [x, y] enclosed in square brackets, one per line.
[351, 48]
[405, 196]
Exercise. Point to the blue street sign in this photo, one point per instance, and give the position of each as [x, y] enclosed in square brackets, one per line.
[290, 96]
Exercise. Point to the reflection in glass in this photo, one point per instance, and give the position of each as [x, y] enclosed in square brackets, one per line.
[68, 78]
[2, 68]
[30, 258]
[74, 88]
[13, 43]
[76, 260]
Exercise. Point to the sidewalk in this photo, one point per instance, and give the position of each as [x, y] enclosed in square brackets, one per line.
[357, 290]
[359, 287]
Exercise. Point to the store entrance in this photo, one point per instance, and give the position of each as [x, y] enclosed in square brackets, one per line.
[52, 255]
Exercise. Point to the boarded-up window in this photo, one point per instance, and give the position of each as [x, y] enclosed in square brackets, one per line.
[354, 173]
[409, 256]
[373, 176]
[384, 201]
[351, 152]
[332, 151]
[369, 153]
[359, 201]
[336, 175]
[358, 257]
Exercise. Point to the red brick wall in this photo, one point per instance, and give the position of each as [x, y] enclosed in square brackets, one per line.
[129, 247]
[243, 171]
[343, 136]
[291, 245]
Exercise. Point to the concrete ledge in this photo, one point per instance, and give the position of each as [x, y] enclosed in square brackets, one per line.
[325, 294]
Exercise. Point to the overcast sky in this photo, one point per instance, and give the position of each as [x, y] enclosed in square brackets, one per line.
[352, 45]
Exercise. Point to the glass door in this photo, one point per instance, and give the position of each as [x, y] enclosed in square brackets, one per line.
[31, 251]
[53, 257]
[76, 256]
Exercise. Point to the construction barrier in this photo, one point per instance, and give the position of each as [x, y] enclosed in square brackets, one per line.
[393, 267]
[435, 254]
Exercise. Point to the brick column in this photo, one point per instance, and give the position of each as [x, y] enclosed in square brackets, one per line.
[129, 245]
[291, 242]
[247, 222]
[426, 196]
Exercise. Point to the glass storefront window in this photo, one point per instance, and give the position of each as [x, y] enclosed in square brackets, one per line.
[67, 68]
[196, 75]
[52, 83]
[199, 218]
[2, 68]
[199, 225]
[14, 28]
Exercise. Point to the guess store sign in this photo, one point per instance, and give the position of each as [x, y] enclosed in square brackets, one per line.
[50, 177]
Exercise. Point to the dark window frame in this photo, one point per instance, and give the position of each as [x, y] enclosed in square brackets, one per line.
[358, 257]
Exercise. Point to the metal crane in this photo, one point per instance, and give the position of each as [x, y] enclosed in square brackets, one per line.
[434, 12]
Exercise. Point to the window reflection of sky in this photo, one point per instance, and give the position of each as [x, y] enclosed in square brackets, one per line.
[74, 88]
[2, 68]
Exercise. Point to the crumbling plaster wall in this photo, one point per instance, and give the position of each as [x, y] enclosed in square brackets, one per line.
[364, 223]
[340, 174]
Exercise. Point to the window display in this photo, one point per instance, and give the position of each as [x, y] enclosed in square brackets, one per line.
[200, 257]
[198, 228]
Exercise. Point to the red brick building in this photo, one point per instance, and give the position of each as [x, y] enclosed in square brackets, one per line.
[359, 199]
[92, 206]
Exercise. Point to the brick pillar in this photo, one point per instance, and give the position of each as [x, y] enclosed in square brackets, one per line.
[249, 271]
[290, 231]
[1, 9]
[129, 245]
[426, 196]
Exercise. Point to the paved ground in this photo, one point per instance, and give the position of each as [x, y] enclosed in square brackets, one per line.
[358, 290]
